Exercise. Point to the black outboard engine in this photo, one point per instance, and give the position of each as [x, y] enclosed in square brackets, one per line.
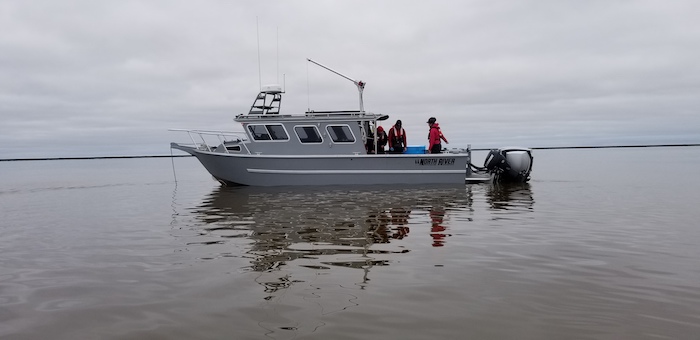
[510, 164]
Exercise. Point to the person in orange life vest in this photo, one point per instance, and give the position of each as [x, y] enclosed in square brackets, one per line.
[381, 139]
[435, 136]
[397, 138]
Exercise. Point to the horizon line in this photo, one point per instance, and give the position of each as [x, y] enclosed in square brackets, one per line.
[476, 149]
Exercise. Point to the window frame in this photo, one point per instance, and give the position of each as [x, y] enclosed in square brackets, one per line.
[330, 135]
[269, 133]
[318, 133]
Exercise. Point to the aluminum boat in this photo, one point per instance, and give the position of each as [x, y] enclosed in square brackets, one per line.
[323, 148]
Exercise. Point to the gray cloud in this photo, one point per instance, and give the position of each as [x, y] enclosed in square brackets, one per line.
[109, 78]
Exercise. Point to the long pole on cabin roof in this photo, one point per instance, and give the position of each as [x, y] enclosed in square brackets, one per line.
[359, 83]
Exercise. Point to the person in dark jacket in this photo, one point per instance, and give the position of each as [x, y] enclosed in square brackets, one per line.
[382, 139]
[435, 136]
[397, 138]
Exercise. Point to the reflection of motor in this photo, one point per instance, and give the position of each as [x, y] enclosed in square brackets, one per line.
[509, 164]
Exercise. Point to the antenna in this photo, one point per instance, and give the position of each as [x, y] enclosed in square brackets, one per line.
[257, 29]
[360, 84]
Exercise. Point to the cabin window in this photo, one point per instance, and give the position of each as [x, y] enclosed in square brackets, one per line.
[259, 132]
[308, 134]
[268, 132]
[277, 132]
[340, 133]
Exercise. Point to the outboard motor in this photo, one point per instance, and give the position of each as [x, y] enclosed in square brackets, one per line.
[511, 164]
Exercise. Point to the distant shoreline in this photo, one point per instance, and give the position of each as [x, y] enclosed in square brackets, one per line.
[480, 149]
[88, 157]
[609, 146]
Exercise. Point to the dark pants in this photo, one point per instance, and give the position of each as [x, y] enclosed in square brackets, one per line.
[437, 148]
[398, 149]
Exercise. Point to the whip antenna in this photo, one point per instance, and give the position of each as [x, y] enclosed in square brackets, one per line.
[257, 29]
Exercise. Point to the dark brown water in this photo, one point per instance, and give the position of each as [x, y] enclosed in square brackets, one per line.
[602, 244]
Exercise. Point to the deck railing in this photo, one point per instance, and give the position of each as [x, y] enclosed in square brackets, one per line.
[221, 136]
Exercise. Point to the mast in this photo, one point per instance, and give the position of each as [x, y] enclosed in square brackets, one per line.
[360, 84]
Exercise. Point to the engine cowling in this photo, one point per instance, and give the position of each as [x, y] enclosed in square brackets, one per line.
[510, 164]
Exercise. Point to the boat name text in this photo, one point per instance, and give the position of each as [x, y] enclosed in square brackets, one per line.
[435, 161]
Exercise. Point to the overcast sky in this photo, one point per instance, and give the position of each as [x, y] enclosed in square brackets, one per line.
[102, 78]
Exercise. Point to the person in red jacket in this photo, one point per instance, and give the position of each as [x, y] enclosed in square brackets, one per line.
[435, 136]
[397, 138]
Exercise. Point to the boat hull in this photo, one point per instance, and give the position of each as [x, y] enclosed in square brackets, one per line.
[282, 170]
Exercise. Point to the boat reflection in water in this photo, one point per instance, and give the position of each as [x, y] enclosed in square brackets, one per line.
[337, 226]
[324, 228]
[510, 196]
[311, 252]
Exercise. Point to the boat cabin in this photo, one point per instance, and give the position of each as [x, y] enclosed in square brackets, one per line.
[314, 133]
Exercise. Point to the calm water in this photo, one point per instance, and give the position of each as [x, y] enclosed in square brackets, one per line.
[602, 244]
